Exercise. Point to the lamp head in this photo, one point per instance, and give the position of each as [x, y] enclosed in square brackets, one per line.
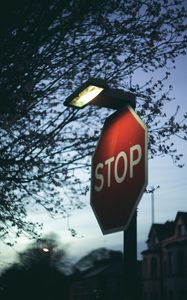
[96, 92]
[86, 93]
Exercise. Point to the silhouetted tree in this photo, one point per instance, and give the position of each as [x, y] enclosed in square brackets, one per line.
[37, 274]
[48, 48]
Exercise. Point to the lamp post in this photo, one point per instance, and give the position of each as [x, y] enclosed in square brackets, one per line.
[97, 92]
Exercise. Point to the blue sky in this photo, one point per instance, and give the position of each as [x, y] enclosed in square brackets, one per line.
[169, 198]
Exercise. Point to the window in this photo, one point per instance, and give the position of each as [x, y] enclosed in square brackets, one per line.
[145, 268]
[170, 295]
[170, 263]
[156, 241]
[153, 267]
[154, 296]
[181, 263]
[183, 295]
[153, 242]
[181, 230]
[145, 296]
[165, 268]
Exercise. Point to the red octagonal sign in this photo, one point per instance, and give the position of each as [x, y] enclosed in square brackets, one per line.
[119, 170]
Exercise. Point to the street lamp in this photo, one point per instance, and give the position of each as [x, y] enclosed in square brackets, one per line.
[45, 249]
[97, 92]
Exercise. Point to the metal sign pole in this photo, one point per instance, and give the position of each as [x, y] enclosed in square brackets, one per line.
[130, 260]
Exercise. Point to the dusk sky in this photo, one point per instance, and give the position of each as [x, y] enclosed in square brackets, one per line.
[170, 198]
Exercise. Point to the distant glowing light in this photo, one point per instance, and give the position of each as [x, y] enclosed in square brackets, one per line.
[45, 250]
[87, 95]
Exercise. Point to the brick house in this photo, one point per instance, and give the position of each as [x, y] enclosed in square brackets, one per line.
[164, 263]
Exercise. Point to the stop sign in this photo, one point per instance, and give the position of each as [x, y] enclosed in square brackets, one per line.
[119, 170]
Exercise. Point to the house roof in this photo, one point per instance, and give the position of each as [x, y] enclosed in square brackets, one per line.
[162, 230]
[109, 265]
[97, 256]
[105, 270]
[166, 233]
[182, 215]
[166, 230]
